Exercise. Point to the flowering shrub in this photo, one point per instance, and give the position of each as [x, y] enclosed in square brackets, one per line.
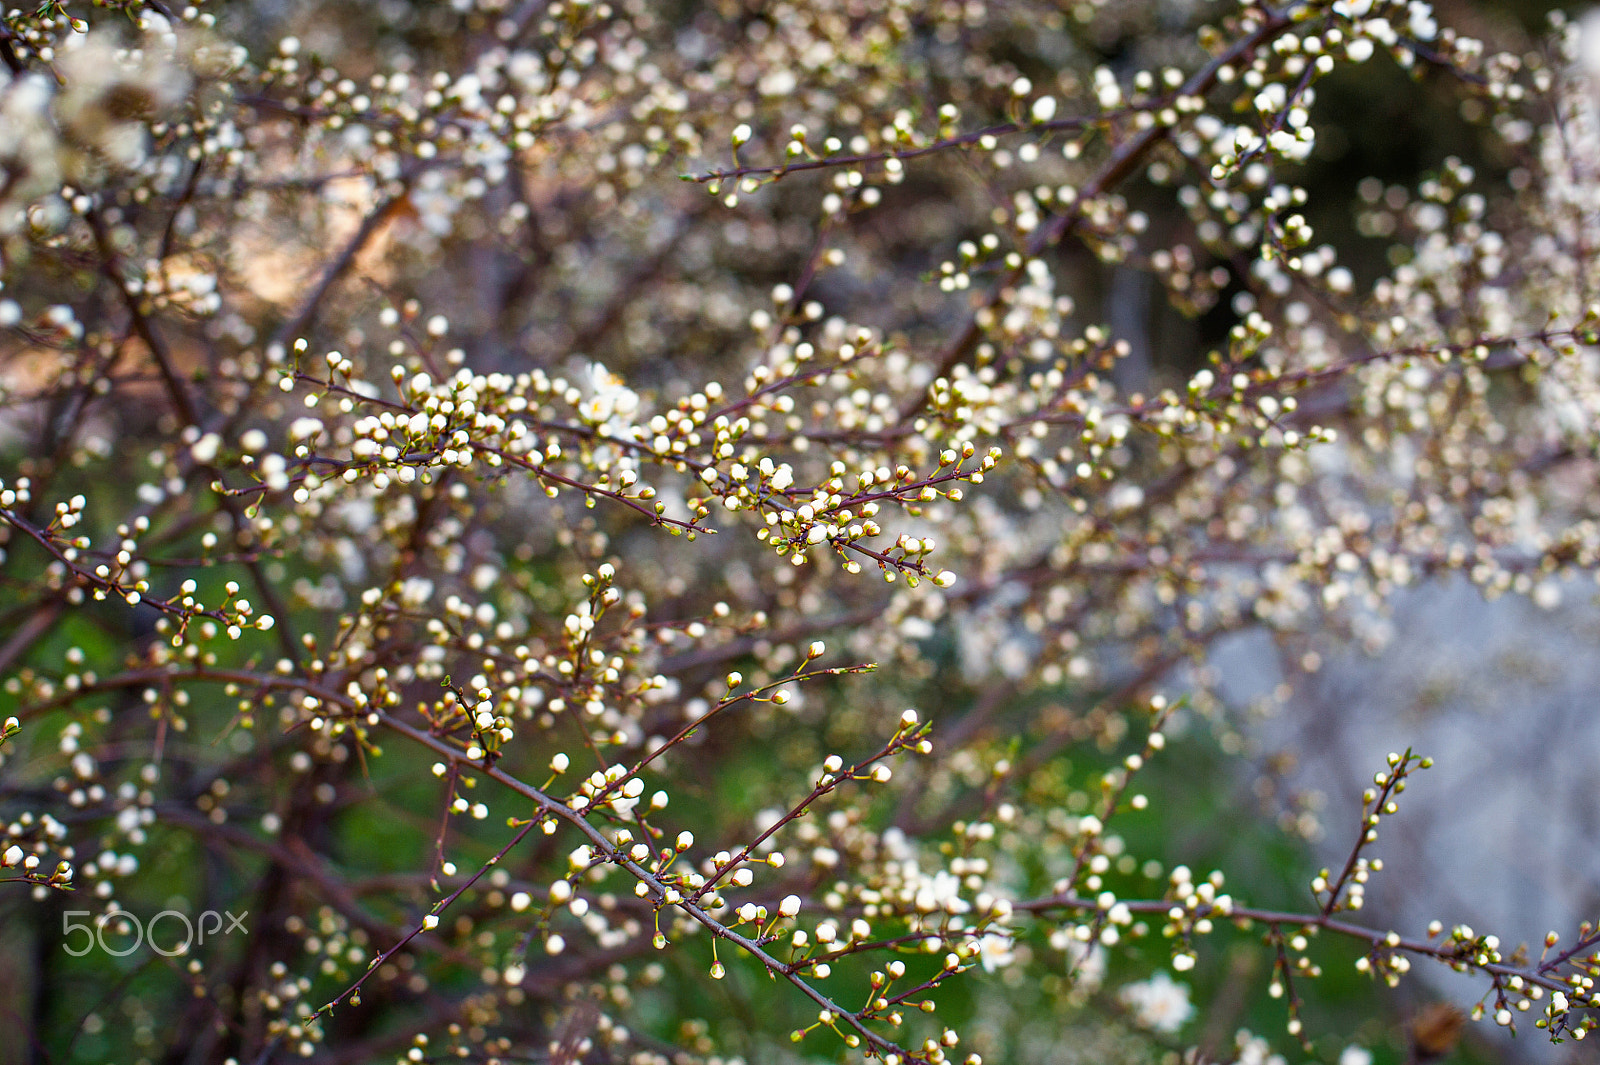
[485, 482]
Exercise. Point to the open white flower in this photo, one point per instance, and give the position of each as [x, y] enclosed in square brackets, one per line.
[108, 94]
[995, 950]
[1159, 1003]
